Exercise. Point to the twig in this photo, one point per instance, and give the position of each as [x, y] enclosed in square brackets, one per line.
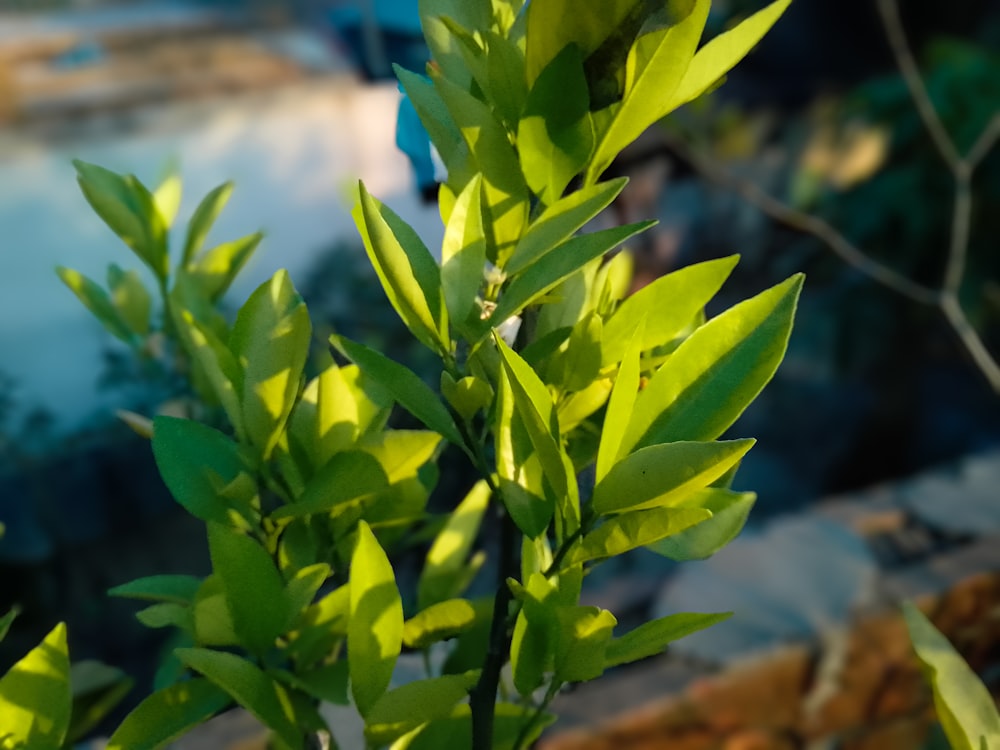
[946, 299]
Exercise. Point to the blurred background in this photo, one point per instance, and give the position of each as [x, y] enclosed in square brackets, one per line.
[813, 141]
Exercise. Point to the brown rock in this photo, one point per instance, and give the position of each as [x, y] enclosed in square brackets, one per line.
[758, 739]
[903, 734]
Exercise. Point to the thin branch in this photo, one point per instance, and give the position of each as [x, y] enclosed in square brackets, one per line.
[911, 75]
[803, 222]
[984, 143]
[971, 340]
[961, 224]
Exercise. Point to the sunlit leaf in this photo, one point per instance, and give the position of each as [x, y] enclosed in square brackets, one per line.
[409, 275]
[446, 559]
[270, 340]
[405, 386]
[716, 372]
[668, 305]
[559, 221]
[375, 629]
[722, 53]
[532, 649]
[463, 253]
[621, 401]
[35, 696]
[438, 622]
[130, 298]
[215, 270]
[584, 634]
[964, 706]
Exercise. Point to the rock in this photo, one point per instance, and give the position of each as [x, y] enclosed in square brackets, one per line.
[788, 582]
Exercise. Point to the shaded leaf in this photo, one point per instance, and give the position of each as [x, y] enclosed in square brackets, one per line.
[729, 514]
[201, 221]
[664, 474]
[168, 714]
[179, 589]
[407, 707]
[257, 692]
[347, 477]
[406, 387]
[652, 637]
[584, 633]
[96, 300]
[438, 622]
[639, 528]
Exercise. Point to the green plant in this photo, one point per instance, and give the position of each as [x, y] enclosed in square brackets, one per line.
[967, 712]
[547, 375]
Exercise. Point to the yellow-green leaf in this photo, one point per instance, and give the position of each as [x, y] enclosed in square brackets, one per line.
[168, 714]
[35, 697]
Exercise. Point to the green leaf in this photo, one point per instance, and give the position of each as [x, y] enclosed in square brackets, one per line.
[580, 363]
[722, 53]
[654, 69]
[196, 462]
[96, 300]
[327, 683]
[438, 622]
[211, 616]
[446, 559]
[117, 201]
[473, 15]
[375, 629]
[155, 247]
[254, 589]
[505, 82]
[664, 474]
[409, 275]
[467, 396]
[167, 196]
[168, 714]
[533, 646]
[440, 125]
[455, 731]
[223, 373]
[583, 637]
[404, 386]
[35, 697]
[639, 528]
[555, 136]
[519, 468]
[130, 298]
[179, 589]
[7, 620]
[576, 407]
[270, 339]
[463, 253]
[544, 274]
[250, 687]
[302, 588]
[215, 270]
[623, 396]
[506, 193]
[652, 637]
[560, 220]
[97, 689]
[729, 514]
[407, 707]
[327, 417]
[321, 626]
[964, 706]
[668, 304]
[348, 477]
[165, 615]
[554, 24]
[716, 372]
[202, 220]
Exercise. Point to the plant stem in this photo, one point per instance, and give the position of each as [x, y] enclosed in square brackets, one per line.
[482, 699]
[527, 729]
